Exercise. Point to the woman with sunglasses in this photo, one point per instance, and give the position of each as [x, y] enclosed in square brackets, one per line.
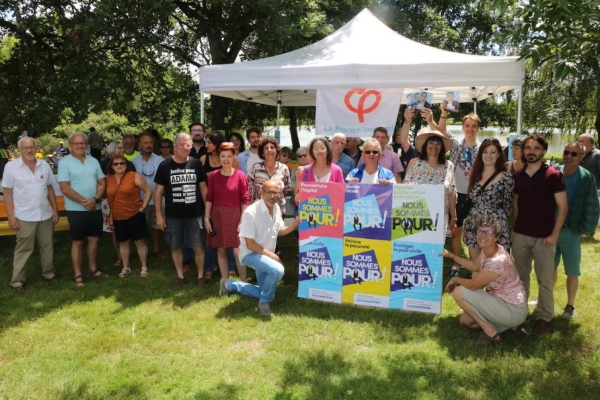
[495, 199]
[114, 148]
[166, 148]
[432, 168]
[503, 304]
[128, 210]
[371, 171]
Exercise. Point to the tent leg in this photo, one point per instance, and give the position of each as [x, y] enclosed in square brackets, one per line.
[519, 110]
[202, 107]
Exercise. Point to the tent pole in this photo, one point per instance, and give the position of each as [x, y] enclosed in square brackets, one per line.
[278, 107]
[519, 110]
[202, 107]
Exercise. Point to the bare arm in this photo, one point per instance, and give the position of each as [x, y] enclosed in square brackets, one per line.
[479, 281]
[9, 205]
[158, 195]
[203, 190]
[402, 137]
[52, 201]
[207, 209]
[561, 214]
[428, 115]
[67, 191]
[469, 264]
[143, 185]
[398, 176]
[289, 228]
[443, 118]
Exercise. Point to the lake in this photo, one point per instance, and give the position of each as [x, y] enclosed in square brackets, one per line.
[307, 133]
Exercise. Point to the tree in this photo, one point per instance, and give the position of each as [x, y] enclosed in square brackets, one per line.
[566, 37]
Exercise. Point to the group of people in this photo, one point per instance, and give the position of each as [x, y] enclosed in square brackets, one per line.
[225, 204]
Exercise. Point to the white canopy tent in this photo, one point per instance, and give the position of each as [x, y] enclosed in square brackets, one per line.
[363, 53]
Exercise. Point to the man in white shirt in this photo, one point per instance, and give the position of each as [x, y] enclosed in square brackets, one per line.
[146, 165]
[31, 209]
[249, 157]
[260, 227]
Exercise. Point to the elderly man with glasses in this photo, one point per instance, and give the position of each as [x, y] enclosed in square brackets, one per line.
[261, 225]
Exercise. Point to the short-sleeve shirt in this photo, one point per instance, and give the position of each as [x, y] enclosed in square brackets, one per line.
[536, 203]
[388, 160]
[181, 181]
[148, 171]
[258, 224]
[29, 190]
[228, 191]
[507, 287]
[82, 177]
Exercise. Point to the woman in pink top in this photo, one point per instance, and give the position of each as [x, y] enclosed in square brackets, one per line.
[503, 304]
[226, 199]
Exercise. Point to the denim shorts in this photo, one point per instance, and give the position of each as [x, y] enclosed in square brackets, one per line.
[175, 229]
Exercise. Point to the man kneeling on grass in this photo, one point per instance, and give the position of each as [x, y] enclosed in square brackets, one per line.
[260, 226]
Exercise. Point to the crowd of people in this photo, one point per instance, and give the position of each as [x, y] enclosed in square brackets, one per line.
[218, 203]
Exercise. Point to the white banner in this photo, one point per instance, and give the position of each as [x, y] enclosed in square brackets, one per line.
[356, 112]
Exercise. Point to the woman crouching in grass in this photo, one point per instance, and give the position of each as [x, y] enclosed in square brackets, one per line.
[503, 304]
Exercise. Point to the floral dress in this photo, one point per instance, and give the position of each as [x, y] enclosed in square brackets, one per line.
[424, 174]
[495, 201]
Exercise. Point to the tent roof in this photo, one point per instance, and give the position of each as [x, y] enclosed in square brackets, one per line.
[362, 53]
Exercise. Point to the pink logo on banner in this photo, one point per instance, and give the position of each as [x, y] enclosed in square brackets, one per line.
[360, 110]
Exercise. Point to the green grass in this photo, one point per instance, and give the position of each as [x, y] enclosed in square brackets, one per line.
[140, 339]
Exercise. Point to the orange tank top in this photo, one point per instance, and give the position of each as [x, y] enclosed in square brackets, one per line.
[123, 198]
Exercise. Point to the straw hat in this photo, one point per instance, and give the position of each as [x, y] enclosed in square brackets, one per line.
[426, 133]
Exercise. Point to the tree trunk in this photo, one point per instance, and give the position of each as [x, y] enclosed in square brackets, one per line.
[294, 128]
[219, 112]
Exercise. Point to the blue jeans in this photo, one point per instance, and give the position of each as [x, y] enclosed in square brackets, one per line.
[268, 274]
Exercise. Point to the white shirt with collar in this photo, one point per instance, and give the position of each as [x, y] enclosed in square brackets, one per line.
[29, 190]
[258, 224]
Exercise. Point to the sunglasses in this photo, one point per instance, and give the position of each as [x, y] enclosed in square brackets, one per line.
[165, 146]
[301, 155]
[118, 163]
[437, 142]
[487, 232]
[570, 153]
[493, 140]
[369, 152]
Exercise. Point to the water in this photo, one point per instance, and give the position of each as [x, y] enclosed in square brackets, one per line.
[307, 133]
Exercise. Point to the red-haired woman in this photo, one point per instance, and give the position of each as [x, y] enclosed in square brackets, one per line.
[226, 199]
[496, 198]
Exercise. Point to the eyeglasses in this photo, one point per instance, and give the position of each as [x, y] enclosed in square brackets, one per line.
[436, 142]
[486, 232]
[271, 193]
[570, 153]
[320, 149]
[115, 164]
[467, 153]
[197, 131]
[29, 148]
[165, 146]
[79, 144]
[146, 167]
[301, 155]
[369, 152]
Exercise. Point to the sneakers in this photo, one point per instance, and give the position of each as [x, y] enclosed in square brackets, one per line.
[454, 272]
[540, 327]
[265, 308]
[223, 287]
[568, 312]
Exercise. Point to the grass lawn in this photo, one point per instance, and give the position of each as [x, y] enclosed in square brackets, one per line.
[140, 339]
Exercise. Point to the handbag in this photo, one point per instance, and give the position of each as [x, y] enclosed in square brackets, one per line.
[469, 202]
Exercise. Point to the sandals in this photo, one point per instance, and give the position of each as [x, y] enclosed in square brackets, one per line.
[143, 273]
[483, 338]
[78, 281]
[97, 274]
[125, 272]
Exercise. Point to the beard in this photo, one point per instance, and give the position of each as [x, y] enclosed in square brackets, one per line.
[197, 139]
[532, 158]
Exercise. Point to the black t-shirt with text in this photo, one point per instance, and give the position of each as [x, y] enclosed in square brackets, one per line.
[182, 190]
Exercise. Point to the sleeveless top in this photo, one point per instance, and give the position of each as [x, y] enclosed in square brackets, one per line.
[124, 198]
[207, 167]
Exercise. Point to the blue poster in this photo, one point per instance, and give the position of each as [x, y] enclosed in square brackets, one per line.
[320, 269]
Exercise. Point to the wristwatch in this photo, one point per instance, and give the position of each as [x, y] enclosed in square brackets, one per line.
[97, 200]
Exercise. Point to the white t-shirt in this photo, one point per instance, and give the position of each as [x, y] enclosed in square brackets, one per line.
[257, 224]
[252, 159]
[370, 178]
